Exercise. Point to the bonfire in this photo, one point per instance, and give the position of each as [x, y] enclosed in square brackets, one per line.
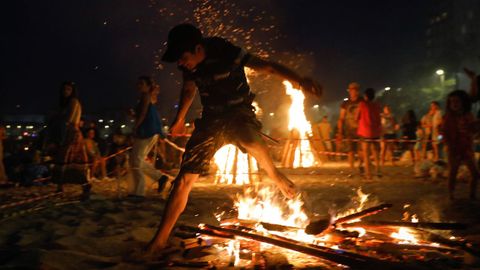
[298, 150]
[266, 225]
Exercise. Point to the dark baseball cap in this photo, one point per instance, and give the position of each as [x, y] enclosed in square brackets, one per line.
[181, 38]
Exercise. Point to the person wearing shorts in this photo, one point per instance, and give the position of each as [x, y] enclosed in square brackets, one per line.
[215, 67]
[348, 122]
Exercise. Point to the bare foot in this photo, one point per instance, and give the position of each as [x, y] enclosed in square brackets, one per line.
[153, 248]
[153, 252]
[286, 186]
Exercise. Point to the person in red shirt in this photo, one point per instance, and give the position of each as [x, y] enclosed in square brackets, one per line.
[370, 130]
[458, 130]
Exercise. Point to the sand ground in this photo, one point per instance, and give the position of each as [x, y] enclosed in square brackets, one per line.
[64, 233]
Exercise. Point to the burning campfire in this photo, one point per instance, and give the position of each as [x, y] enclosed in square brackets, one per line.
[233, 166]
[298, 149]
[266, 225]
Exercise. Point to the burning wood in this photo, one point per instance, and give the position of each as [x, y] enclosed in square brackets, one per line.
[349, 248]
[264, 218]
[345, 258]
[421, 225]
[321, 226]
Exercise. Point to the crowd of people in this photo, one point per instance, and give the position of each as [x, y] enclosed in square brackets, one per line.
[71, 148]
[369, 131]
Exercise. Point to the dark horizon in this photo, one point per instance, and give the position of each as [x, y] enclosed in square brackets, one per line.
[104, 47]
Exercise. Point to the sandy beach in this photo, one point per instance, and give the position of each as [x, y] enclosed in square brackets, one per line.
[102, 233]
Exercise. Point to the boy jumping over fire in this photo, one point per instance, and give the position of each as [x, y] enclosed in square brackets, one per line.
[215, 67]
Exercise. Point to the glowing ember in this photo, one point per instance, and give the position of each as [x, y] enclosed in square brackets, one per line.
[297, 121]
[234, 251]
[234, 167]
[405, 236]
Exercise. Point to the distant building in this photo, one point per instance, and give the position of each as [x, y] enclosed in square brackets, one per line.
[453, 37]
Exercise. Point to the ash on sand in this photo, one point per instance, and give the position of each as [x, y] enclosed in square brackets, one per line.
[101, 233]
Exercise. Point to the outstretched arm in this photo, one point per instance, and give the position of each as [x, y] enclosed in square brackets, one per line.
[186, 98]
[269, 67]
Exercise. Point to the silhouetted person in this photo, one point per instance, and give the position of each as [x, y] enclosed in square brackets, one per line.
[216, 67]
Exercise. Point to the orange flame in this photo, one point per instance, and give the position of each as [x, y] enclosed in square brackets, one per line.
[234, 167]
[297, 120]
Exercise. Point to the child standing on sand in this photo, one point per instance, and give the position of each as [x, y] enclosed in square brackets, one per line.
[458, 130]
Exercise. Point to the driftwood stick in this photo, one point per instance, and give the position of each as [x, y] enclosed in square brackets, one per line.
[322, 225]
[364, 213]
[204, 231]
[465, 246]
[354, 260]
[251, 224]
[421, 225]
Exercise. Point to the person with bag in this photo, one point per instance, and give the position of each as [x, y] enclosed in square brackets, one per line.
[147, 130]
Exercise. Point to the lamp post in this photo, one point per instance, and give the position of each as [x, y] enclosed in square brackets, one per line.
[441, 74]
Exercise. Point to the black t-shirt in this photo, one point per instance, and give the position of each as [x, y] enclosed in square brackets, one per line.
[220, 78]
[351, 110]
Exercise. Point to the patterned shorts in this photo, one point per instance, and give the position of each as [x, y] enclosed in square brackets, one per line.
[213, 131]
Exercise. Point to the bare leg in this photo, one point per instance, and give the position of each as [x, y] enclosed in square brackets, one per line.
[259, 151]
[412, 154]
[424, 147]
[474, 173]
[376, 157]
[175, 205]
[390, 146]
[435, 151]
[359, 152]
[103, 167]
[351, 159]
[366, 158]
[452, 178]
[383, 150]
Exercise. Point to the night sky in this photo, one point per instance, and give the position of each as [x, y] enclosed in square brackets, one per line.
[105, 45]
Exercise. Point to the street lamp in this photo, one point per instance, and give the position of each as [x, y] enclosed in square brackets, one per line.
[441, 74]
